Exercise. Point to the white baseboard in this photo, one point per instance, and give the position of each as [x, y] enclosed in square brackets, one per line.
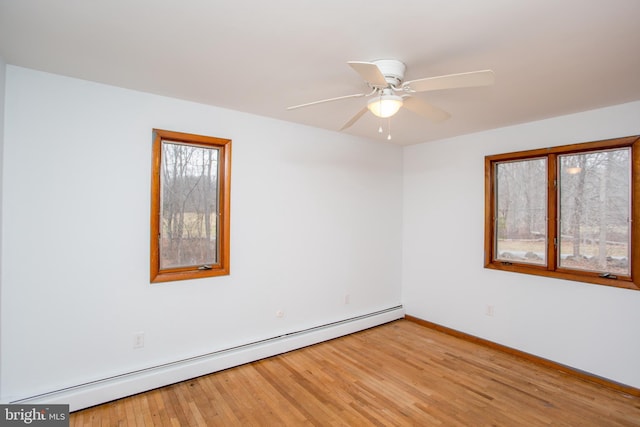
[108, 389]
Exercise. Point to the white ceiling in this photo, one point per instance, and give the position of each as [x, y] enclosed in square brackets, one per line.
[550, 57]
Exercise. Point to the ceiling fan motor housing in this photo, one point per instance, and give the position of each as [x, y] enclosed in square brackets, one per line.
[392, 70]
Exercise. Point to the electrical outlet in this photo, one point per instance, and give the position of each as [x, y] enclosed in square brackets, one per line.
[489, 311]
[138, 340]
[347, 298]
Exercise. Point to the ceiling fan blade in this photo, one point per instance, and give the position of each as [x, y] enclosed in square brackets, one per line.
[356, 95]
[423, 109]
[354, 119]
[369, 72]
[451, 81]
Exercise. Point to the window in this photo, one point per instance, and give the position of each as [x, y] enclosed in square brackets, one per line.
[566, 212]
[189, 206]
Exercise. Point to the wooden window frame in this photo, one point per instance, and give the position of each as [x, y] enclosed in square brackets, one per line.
[221, 268]
[552, 269]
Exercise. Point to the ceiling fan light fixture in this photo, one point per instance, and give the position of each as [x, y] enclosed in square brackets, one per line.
[385, 106]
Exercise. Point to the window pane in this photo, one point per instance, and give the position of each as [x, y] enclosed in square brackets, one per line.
[594, 211]
[189, 206]
[521, 211]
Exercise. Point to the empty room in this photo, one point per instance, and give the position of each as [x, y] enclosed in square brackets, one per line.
[320, 213]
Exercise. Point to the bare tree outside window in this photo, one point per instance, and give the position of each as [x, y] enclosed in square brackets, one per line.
[595, 210]
[190, 206]
[521, 208]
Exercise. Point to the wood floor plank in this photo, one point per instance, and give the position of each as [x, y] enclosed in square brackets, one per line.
[397, 374]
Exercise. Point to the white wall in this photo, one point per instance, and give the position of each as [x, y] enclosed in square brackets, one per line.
[589, 327]
[2, 97]
[315, 215]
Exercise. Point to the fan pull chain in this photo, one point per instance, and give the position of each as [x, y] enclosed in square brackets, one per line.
[380, 120]
[389, 128]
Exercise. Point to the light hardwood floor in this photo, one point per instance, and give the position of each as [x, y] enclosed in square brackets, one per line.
[396, 374]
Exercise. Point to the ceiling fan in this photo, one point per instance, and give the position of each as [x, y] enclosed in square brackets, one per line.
[389, 93]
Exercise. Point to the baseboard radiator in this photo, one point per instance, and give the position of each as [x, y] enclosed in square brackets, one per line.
[105, 390]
